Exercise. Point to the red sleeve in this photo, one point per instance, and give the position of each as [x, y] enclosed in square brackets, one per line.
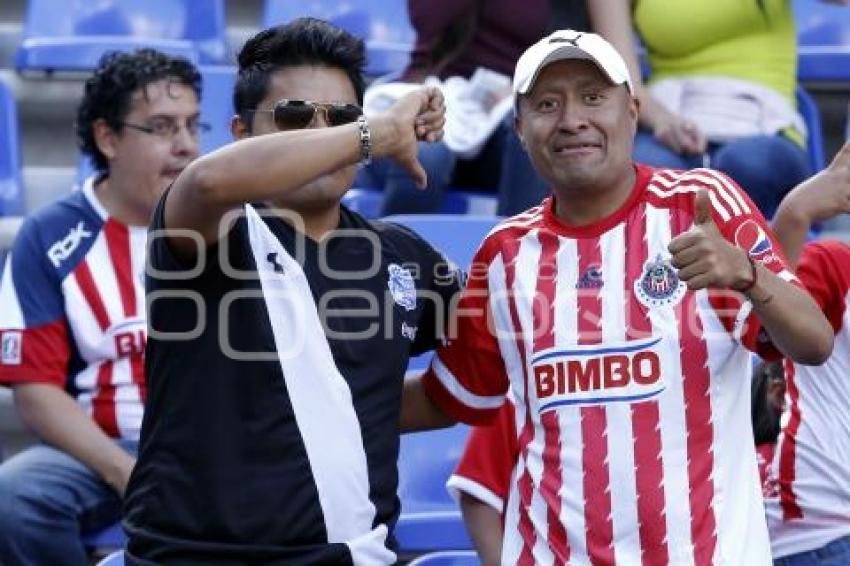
[467, 377]
[485, 468]
[824, 270]
[743, 225]
[34, 342]
[37, 354]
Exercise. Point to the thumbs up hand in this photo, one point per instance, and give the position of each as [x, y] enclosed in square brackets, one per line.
[704, 258]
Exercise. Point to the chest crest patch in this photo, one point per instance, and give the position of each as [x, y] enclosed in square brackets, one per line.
[402, 286]
[659, 284]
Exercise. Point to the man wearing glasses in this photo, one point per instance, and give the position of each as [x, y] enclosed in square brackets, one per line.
[72, 310]
[281, 323]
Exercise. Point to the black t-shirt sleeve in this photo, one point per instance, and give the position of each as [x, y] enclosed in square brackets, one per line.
[166, 269]
[442, 281]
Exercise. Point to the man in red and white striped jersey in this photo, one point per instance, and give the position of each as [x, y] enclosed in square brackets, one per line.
[808, 486]
[620, 313]
[72, 310]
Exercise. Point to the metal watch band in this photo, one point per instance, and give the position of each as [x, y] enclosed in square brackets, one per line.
[365, 140]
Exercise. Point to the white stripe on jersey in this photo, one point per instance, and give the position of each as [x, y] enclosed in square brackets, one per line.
[737, 496]
[524, 290]
[566, 336]
[680, 188]
[105, 277]
[323, 406]
[512, 544]
[91, 342]
[11, 316]
[709, 179]
[621, 452]
[671, 407]
[733, 190]
[712, 181]
[128, 403]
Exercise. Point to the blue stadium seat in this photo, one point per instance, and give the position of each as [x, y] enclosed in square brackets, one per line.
[115, 559]
[217, 105]
[430, 519]
[823, 35]
[448, 558]
[110, 538]
[367, 201]
[11, 193]
[456, 235]
[384, 25]
[814, 142]
[72, 36]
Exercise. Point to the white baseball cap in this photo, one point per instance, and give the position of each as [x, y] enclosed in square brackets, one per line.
[570, 44]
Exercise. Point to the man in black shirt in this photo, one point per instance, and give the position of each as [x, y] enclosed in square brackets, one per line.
[281, 323]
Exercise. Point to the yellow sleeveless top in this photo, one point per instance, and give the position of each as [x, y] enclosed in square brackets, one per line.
[729, 38]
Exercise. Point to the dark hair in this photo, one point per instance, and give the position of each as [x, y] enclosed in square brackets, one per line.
[303, 41]
[109, 90]
[766, 425]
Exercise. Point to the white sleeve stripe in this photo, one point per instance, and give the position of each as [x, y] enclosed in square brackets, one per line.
[724, 214]
[459, 392]
[732, 189]
[708, 181]
[724, 191]
[458, 484]
[717, 206]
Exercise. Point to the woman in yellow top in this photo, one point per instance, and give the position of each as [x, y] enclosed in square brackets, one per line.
[721, 90]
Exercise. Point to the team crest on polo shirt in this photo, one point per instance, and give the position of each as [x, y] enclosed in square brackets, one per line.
[659, 284]
[402, 286]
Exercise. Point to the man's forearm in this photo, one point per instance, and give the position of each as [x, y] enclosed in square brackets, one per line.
[485, 528]
[418, 411]
[791, 227]
[791, 317]
[59, 421]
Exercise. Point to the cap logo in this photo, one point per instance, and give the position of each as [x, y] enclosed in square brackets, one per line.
[572, 41]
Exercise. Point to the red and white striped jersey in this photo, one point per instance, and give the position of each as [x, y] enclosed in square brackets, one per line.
[632, 393]
[72, 309]
[808, 488]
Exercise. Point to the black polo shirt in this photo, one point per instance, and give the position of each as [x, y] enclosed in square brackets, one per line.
[251, 455]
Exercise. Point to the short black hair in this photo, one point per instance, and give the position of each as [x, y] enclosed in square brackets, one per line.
[303, 41]
[109, 90]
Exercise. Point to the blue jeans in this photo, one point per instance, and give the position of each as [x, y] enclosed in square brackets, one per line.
[502, 164]
[47, 498]
[836, 553]
[766, 167]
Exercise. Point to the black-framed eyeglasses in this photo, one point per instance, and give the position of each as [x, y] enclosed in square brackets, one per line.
[168, 128]
[292, 114]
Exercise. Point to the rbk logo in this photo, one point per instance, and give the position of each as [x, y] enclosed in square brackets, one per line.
[272, 259]
[62, 250]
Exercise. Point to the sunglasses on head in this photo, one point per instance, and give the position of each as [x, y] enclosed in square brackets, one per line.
[298, 114]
